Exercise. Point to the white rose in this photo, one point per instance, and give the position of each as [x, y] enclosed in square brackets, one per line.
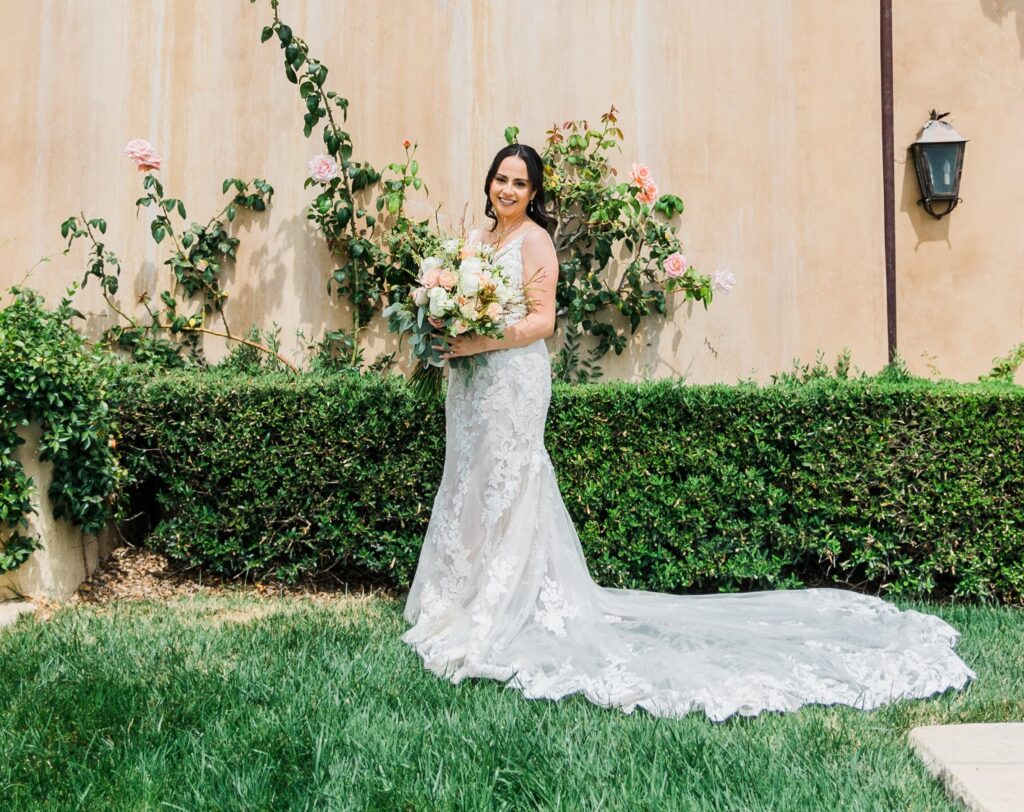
[469, 283]
[439, 302]
[420, 297]
[429, 264]
[468, 311]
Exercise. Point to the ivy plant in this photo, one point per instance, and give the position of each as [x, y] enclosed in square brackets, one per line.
[49, 374]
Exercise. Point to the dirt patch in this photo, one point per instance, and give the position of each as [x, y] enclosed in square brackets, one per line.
[133, 573]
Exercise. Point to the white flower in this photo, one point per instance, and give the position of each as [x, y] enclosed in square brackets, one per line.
[723, 281]
[420, 297]
[469, 284]
[323, 168]
[440, 301]
[451, 246]
[468, 311]
[471, 265]
[429, 264]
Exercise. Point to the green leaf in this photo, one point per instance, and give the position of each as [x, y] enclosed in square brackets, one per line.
[290, 73]
[268, 32]
[285, 34]
[181, 209]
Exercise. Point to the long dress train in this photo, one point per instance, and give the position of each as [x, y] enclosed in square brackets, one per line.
[502, 591]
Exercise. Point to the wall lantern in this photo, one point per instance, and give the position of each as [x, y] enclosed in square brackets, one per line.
[938, 159]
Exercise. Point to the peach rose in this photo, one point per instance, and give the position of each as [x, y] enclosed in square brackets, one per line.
[448, 279]
[431, 278]
[459, 327]
[143, 153]
[494, 310]
[640, 175]
[437, 324]
[675, 264]
[648, 193]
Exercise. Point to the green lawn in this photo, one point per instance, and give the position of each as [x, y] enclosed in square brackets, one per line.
[241, 703]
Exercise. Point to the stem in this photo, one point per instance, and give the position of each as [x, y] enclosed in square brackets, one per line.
[118, 310]
[245, 341]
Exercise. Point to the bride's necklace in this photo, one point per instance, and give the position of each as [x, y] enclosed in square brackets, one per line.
[503, 232]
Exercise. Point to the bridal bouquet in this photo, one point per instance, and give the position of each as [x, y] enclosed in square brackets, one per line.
[460, 291]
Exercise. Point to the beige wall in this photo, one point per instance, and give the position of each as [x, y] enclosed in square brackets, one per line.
[762, 115]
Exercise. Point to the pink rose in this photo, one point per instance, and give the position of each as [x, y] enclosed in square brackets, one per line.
[448, 279]
[143, 154]
[437, 324]
[323, 168]
[432, 278]
[675, 264]
[640, 175]
[723, 281]
[648, 193]
[459, 327]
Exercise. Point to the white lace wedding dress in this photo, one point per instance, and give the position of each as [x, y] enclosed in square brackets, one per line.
[502, 591]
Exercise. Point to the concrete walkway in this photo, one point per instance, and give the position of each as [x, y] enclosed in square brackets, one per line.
[10, 610]
[980, 765]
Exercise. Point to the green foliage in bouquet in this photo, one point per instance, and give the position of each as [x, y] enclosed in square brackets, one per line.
[49, 375]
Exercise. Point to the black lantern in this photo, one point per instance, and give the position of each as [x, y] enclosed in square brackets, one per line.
[938, 159]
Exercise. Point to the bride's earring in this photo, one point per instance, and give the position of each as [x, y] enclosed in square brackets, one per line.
[529, 208]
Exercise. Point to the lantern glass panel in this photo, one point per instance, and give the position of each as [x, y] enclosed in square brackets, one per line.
[941, 162]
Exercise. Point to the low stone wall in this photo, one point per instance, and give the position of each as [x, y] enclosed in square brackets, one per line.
[68, 556]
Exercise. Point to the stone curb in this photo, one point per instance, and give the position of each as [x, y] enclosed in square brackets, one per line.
[11, 610]
[980, 765]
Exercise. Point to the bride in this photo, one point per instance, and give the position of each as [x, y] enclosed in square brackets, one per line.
[502, 589]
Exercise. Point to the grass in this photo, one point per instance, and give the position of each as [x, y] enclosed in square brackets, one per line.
[239, 703]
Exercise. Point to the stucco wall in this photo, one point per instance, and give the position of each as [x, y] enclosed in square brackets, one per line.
[762, 116]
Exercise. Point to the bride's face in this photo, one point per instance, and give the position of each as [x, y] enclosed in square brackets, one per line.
[510, 190]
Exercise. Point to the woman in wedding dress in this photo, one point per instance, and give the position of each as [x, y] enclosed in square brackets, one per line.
[502, 589]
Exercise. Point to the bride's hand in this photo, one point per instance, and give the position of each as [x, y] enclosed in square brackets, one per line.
[461, 346]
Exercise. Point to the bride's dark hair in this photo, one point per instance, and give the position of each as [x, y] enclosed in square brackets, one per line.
[534, 171]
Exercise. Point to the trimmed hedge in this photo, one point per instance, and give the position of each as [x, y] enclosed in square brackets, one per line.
[903, 486]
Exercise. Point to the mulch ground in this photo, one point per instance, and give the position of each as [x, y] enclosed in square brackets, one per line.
[133, 573]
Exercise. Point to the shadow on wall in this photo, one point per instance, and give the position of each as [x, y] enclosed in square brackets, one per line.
[926, 227]
[999, 10]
